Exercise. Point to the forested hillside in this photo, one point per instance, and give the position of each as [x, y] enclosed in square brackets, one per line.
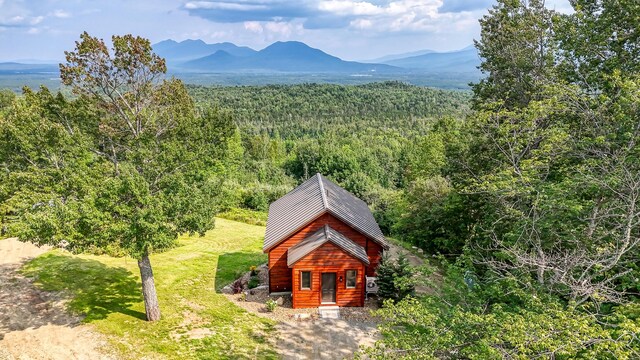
[534, 202]
[366, 137]
[311, 109]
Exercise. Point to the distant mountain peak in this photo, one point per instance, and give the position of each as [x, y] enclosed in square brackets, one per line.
[288, 44]
[167, 41]
[193, 41]
[191, 49]
[283, 56]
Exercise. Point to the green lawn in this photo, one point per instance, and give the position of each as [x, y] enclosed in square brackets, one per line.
[107, 291]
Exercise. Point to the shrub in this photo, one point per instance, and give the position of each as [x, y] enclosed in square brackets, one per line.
[237, 286]
[253, 282]
[246, 216]
[271, 305]
[253, 270]
[395, 279]
[430, 328]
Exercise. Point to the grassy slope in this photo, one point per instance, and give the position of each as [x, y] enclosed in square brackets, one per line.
[107, 291]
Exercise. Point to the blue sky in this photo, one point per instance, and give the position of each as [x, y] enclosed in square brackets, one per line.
[353, 30]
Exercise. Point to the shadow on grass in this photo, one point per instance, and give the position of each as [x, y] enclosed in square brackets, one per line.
[95, 289]
[232, 265]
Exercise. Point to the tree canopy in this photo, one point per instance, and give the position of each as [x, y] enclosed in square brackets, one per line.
[124, 168]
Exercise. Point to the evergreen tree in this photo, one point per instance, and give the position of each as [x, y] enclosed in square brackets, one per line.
[518, 53]
[395, 278]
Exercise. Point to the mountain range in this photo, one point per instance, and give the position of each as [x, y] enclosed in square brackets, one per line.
[197, 62]
[465, 60]
[290, 56]
[298, 57]
[177, 52]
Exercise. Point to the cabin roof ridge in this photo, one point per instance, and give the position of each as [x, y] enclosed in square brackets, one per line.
[312, 199]
[323, 192]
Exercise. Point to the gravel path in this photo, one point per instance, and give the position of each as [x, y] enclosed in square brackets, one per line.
[301, 334]
[34, 323]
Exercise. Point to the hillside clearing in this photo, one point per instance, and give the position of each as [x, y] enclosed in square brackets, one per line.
[106, 316]
[197, 322]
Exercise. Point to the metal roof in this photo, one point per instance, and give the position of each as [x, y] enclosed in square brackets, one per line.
[310, 200]
[320, 237]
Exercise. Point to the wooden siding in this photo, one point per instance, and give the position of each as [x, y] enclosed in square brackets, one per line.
[374, 251]
[328, 259]
[280, 273]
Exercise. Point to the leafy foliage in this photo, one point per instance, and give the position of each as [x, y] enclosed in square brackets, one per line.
[539, 206]
[128, 165]
[431, 329]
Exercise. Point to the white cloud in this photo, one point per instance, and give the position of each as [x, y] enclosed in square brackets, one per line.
[221, 35]
[36, 20]
[392, 16]
[253, 26]
[194, 5]
[361, 24]
[61, 14]
[281, 29]
[271, 30]
[345, 8]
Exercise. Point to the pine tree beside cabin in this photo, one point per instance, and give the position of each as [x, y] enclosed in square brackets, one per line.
[322, 241]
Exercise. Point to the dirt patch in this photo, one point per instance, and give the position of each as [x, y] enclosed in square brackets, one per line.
[301, 334]
[417, 261]
[395, 251]
[33, 323]
[324, 339]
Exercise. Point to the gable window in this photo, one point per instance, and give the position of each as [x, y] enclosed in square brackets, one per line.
[305, 280]
[351, 278]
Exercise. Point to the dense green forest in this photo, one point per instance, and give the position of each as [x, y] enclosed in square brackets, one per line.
[526, 191]
[365, 137]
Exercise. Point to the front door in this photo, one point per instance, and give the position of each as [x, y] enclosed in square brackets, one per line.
[328, 287]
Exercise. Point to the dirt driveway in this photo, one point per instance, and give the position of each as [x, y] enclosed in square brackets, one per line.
[323, 339]
[34, 323]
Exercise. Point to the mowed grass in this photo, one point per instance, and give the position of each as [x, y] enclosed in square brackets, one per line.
[197, 321]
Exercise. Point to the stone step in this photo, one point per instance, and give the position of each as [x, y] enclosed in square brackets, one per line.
[329, 312]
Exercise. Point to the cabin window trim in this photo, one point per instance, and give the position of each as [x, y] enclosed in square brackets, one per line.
[355, 279]
[302, 272]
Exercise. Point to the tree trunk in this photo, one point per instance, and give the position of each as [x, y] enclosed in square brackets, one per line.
[151, 306]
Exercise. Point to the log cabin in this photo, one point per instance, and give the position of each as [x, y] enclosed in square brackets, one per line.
[322, 242]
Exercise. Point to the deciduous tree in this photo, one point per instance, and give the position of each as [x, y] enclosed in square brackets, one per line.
[144, 165]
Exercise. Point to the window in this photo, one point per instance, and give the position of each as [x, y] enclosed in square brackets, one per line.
[305, 280]
[351, 278]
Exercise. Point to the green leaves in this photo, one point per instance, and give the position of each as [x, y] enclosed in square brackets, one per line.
[125, 167]
[444, 327]
[517, 46]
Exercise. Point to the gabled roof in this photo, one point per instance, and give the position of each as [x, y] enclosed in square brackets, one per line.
[319, 238]
[310, 200]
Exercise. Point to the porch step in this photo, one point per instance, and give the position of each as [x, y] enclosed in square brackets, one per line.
[329, 312]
